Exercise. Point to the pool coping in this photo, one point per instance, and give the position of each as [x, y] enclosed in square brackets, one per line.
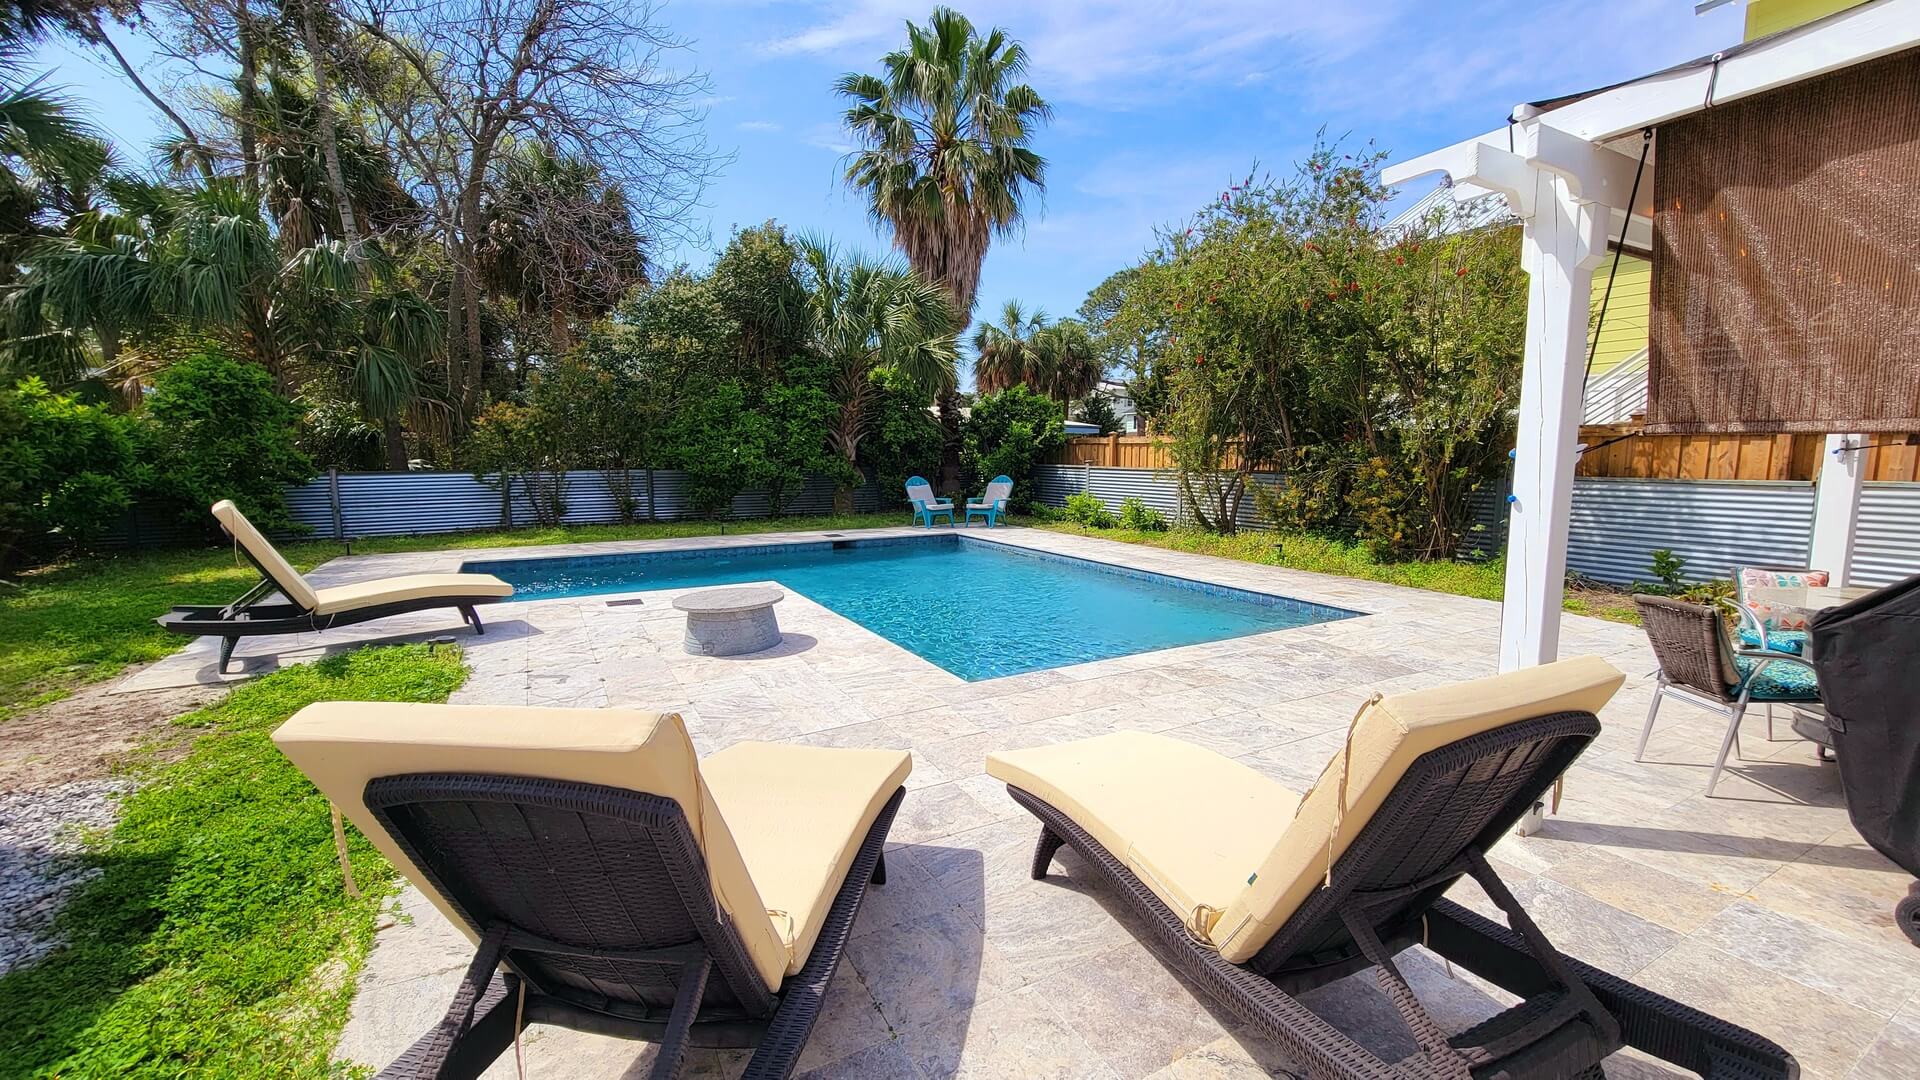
[1261, 597]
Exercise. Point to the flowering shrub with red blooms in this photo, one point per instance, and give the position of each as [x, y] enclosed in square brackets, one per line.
[1286, 329]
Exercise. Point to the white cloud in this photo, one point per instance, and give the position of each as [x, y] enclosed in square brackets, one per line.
[1383, 58]
[757, 125]
[828, 137]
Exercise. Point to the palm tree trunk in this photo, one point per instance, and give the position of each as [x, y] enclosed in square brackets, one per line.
[396, 441]
[949, 405]
[323, 115]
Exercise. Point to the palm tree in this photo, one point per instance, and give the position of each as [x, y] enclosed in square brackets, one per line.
[863, 315]
[1008, 353]
[945, 161]
[1071, 367]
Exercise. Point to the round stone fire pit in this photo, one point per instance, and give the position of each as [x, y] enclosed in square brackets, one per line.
[730, 622]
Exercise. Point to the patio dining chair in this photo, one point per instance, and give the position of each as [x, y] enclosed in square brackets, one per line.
[1768, 625]
[926, 506]
[1699, 665]
[610, 882]
[1256, 894]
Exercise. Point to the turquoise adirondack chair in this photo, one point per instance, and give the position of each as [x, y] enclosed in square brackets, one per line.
[925, 506]
[991, 504]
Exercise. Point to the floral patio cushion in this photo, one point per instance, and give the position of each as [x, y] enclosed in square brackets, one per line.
[1775, 616]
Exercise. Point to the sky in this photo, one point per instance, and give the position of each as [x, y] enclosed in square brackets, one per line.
[1158, 106]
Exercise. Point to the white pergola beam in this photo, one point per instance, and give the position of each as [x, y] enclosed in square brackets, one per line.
[1836, 505]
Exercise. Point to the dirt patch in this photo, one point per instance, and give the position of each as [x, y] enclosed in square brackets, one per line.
[82, 736]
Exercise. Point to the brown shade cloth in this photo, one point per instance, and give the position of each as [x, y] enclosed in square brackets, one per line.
[1786, 259]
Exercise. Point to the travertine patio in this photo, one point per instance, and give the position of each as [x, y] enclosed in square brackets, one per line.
[1762, 906]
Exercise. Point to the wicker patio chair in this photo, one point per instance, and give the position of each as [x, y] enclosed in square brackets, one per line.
[1256, 894]
[306, 610]
[612, 883]
[1700, 666]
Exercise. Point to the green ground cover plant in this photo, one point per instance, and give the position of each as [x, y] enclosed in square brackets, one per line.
[218, 939]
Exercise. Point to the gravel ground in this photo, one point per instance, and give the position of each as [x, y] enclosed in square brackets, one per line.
[41, 834]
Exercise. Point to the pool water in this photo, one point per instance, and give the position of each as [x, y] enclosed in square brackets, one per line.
[980, 610]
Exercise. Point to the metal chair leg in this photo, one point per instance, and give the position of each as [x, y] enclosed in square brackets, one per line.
[1769, 721]
[1640, 752]
[1731, 742]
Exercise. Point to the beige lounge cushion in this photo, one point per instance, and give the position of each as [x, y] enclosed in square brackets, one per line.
[1385, 741]
[342, 745]
[292, 585]
[363, 594]
[1187, 821]
[799, 815]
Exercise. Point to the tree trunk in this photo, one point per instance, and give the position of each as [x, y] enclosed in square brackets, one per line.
[949, 405]
[323, 115]
[249, 98]
[396, 441]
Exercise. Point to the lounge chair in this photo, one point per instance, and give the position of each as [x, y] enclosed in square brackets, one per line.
[992, 503]
[1256, 894]
[611, 882]
[925, 506]
[305, 609]
[1700, 666]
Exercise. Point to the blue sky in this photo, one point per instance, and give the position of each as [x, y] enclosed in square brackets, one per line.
[1158, 105]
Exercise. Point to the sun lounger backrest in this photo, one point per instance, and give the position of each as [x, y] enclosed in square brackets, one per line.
[264, 555]
[343, 746]
[1386, 739]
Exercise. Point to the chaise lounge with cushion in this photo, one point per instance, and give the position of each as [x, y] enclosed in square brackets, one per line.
[611, 882]
[305, 609]
[1256, 893]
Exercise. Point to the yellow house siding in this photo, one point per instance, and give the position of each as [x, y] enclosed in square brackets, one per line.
[1624, 332]
[1772, 16]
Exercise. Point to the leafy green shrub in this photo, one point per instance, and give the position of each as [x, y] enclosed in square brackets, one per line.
[1135, 514]
[510, 443]
[906, 438]
[220, 431]
[1009, 433]
[67, 470]
[1669, 569]
[1088, 510]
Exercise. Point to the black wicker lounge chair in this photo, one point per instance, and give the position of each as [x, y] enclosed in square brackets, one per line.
[611, 882]
[305, 609]
[1256, 896]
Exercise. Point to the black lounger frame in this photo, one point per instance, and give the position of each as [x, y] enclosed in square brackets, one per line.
[247, 617]
[1385, 895]
[685, 980]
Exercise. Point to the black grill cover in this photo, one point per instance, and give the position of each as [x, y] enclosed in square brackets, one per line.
[1867, 655]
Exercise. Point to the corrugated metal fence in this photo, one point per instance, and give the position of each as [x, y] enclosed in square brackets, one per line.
[398, 504]
[1618, 523]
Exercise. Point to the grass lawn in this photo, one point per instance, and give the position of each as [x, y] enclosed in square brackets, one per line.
[1486, 580]
[218, 939]
[67, 625]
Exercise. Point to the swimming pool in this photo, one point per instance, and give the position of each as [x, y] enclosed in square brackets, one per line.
[980, 610]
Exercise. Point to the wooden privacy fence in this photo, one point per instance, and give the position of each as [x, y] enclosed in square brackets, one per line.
[1614, 450]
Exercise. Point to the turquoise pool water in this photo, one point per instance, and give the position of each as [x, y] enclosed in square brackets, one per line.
[978, 609]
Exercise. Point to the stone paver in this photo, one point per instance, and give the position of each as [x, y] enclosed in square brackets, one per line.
[1764, 906]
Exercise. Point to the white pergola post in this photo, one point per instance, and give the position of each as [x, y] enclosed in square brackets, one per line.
[1836, 505]
[1560, 246]
[1564, 190]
